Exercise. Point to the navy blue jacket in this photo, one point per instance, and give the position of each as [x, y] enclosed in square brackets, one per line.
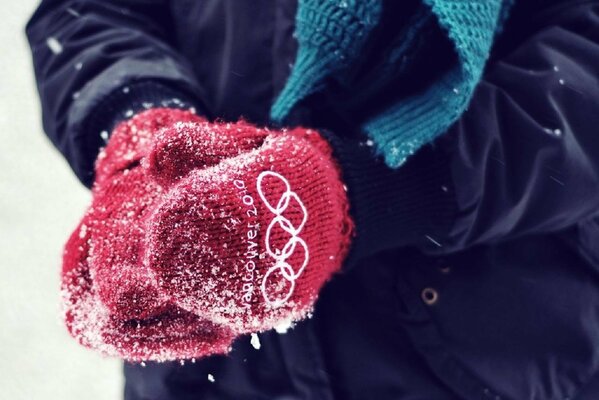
[475, 270]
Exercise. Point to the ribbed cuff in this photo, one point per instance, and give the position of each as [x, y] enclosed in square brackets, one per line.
[127, 101]
[413, 205]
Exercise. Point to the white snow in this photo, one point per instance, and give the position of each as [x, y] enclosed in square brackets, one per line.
[433, 241]
[73, 12]
[82, 231]
[54, 45]
[42, 202]
[554, 132]
[211, 378]
[255, 341]
[282, 328]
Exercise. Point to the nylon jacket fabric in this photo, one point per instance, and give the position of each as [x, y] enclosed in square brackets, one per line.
[508, 244]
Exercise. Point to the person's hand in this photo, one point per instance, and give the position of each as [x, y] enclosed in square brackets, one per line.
[112, 302]
[199, 232]
[249, 241]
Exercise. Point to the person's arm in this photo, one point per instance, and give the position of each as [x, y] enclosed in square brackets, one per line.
[524, 158]
[98, 62]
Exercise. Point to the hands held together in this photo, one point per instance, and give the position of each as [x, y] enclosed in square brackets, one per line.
[200, 232]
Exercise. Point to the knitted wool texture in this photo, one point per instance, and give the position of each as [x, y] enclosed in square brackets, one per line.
[331, 34]
[111, 301]
[249, 242]
[172, 261]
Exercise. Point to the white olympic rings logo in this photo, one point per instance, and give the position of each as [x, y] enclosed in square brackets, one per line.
[281, 256]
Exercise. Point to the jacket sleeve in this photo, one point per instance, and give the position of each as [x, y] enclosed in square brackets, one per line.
[97, 62]
[523, 159]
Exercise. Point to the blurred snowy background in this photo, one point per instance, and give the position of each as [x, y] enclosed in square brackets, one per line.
[40, 203]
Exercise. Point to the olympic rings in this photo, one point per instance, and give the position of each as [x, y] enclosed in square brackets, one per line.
[280, 257]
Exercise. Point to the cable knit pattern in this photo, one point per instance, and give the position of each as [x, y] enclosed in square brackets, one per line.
[401, 129]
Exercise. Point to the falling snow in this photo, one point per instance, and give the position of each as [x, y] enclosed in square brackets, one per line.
[556, 180]
[433, 241]
[54, 45]
[255, 341]
[73, 12]
[553, 132]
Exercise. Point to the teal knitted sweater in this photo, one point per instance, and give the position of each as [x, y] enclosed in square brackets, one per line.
[332, 33]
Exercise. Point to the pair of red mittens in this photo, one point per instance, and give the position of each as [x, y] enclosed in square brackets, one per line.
[200, 232]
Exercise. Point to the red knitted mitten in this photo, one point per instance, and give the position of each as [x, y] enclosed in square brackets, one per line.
[112, 300]
[250, 241]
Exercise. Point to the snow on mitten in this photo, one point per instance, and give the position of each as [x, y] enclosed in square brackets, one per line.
[172, 334]
[112, 300]
[185, 146]
[249, 242]
[123, 195]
